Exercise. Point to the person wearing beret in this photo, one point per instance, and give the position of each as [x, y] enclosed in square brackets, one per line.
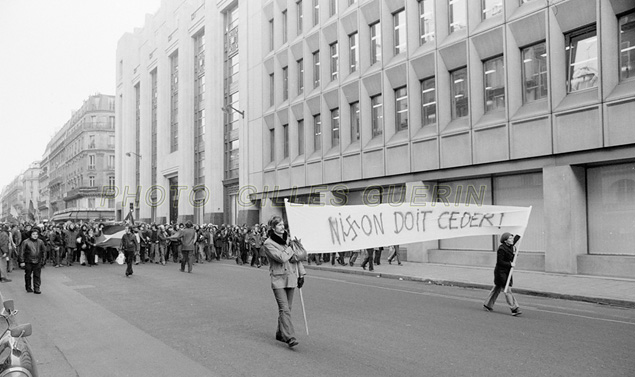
[504, 263]
[286, 273]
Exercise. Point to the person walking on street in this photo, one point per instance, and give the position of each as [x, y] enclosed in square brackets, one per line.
[5, 249]
[129, 248]
[286, 273]
[394, 253]
[187, 237]
[504, 263]
[31, 258]
[369, 259]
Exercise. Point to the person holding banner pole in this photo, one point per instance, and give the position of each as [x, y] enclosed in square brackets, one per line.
[286, 274]
[504, 263]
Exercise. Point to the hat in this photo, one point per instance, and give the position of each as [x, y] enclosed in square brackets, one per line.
[505, 236]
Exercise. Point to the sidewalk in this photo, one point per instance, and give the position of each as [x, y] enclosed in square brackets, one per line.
[597, 289]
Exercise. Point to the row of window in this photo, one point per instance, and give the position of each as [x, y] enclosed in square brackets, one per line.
[581, 56]
[457, 19]
[581, 61]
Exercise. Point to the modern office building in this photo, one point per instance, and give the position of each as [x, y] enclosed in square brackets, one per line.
[504, 102]
[79, 165]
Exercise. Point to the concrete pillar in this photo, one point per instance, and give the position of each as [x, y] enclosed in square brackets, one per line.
[565, 217]
[418, 193]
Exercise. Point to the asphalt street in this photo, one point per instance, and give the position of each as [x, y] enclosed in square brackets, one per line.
[220, 320]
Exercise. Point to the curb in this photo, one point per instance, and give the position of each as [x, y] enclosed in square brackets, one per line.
[462, 284]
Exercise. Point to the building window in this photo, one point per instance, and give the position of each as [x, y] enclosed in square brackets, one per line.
[491, 8]
[401, 109]
[627, 46]
[284, 27]
[111, 181]
[111, 161]
[316, 12]
[332, 7]
[428, 102]
[174, 102]
[582, 59]
[233, 66]
[91, 181]
[399, 22]
[494, 80]
[426, 21]
[91, 162]
[458, 93]
[354, 122]
[91, 202]
[354, 52]
[285, 141]
[272, 145]
[317, 133]
[285, 83]
[335, 127]
[334, 61]
[300, 137]
[534, 72]
[111, 122]
[458, 15]
[316, 69]
[272, 88]
[300, 76]
[377, 115]
[300, 15]
[91, 142]
[611, 209]
[111, 141]
[375, 43]
[271, 31]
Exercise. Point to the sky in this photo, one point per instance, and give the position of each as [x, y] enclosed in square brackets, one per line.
[55, 54]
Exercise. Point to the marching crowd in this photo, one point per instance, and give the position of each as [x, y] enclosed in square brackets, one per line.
[70, 242]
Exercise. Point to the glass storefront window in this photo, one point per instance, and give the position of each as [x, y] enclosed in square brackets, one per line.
[611, 209]
[627, 46]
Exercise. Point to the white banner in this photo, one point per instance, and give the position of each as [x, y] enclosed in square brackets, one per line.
[326, 229]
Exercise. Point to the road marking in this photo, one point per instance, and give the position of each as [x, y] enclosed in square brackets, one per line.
[470, 299]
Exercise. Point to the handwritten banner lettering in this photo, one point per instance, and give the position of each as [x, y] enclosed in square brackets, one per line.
[325, 229]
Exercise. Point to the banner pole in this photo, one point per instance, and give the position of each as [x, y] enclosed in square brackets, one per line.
[511, 270]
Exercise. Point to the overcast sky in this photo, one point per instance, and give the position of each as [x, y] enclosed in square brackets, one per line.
[55, 53]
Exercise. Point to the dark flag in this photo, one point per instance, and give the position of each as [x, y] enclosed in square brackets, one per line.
[111, 236]
[31, 211]
[129, 218]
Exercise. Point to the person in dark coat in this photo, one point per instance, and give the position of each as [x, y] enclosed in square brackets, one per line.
[31, 258]
[129, 248]
[504, 263]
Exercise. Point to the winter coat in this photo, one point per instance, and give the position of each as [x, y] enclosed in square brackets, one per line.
[283, 272]
[70, 237]
[32, 251]
[504, 258]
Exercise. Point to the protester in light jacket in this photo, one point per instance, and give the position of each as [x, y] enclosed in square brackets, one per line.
[286, 274]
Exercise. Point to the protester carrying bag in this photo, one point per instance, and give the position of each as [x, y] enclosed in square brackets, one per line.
[120, 258]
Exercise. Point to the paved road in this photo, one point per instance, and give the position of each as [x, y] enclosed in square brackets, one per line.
[220, 321]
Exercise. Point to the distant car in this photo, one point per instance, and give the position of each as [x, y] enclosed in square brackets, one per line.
[16, 358]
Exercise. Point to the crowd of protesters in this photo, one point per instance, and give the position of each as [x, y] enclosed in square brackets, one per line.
[69, 243]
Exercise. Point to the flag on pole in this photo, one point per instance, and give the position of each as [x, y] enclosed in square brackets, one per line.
[31, 214]
[14, 212]
[129, 218]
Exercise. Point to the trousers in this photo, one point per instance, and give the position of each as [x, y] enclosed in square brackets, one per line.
[284, 298]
